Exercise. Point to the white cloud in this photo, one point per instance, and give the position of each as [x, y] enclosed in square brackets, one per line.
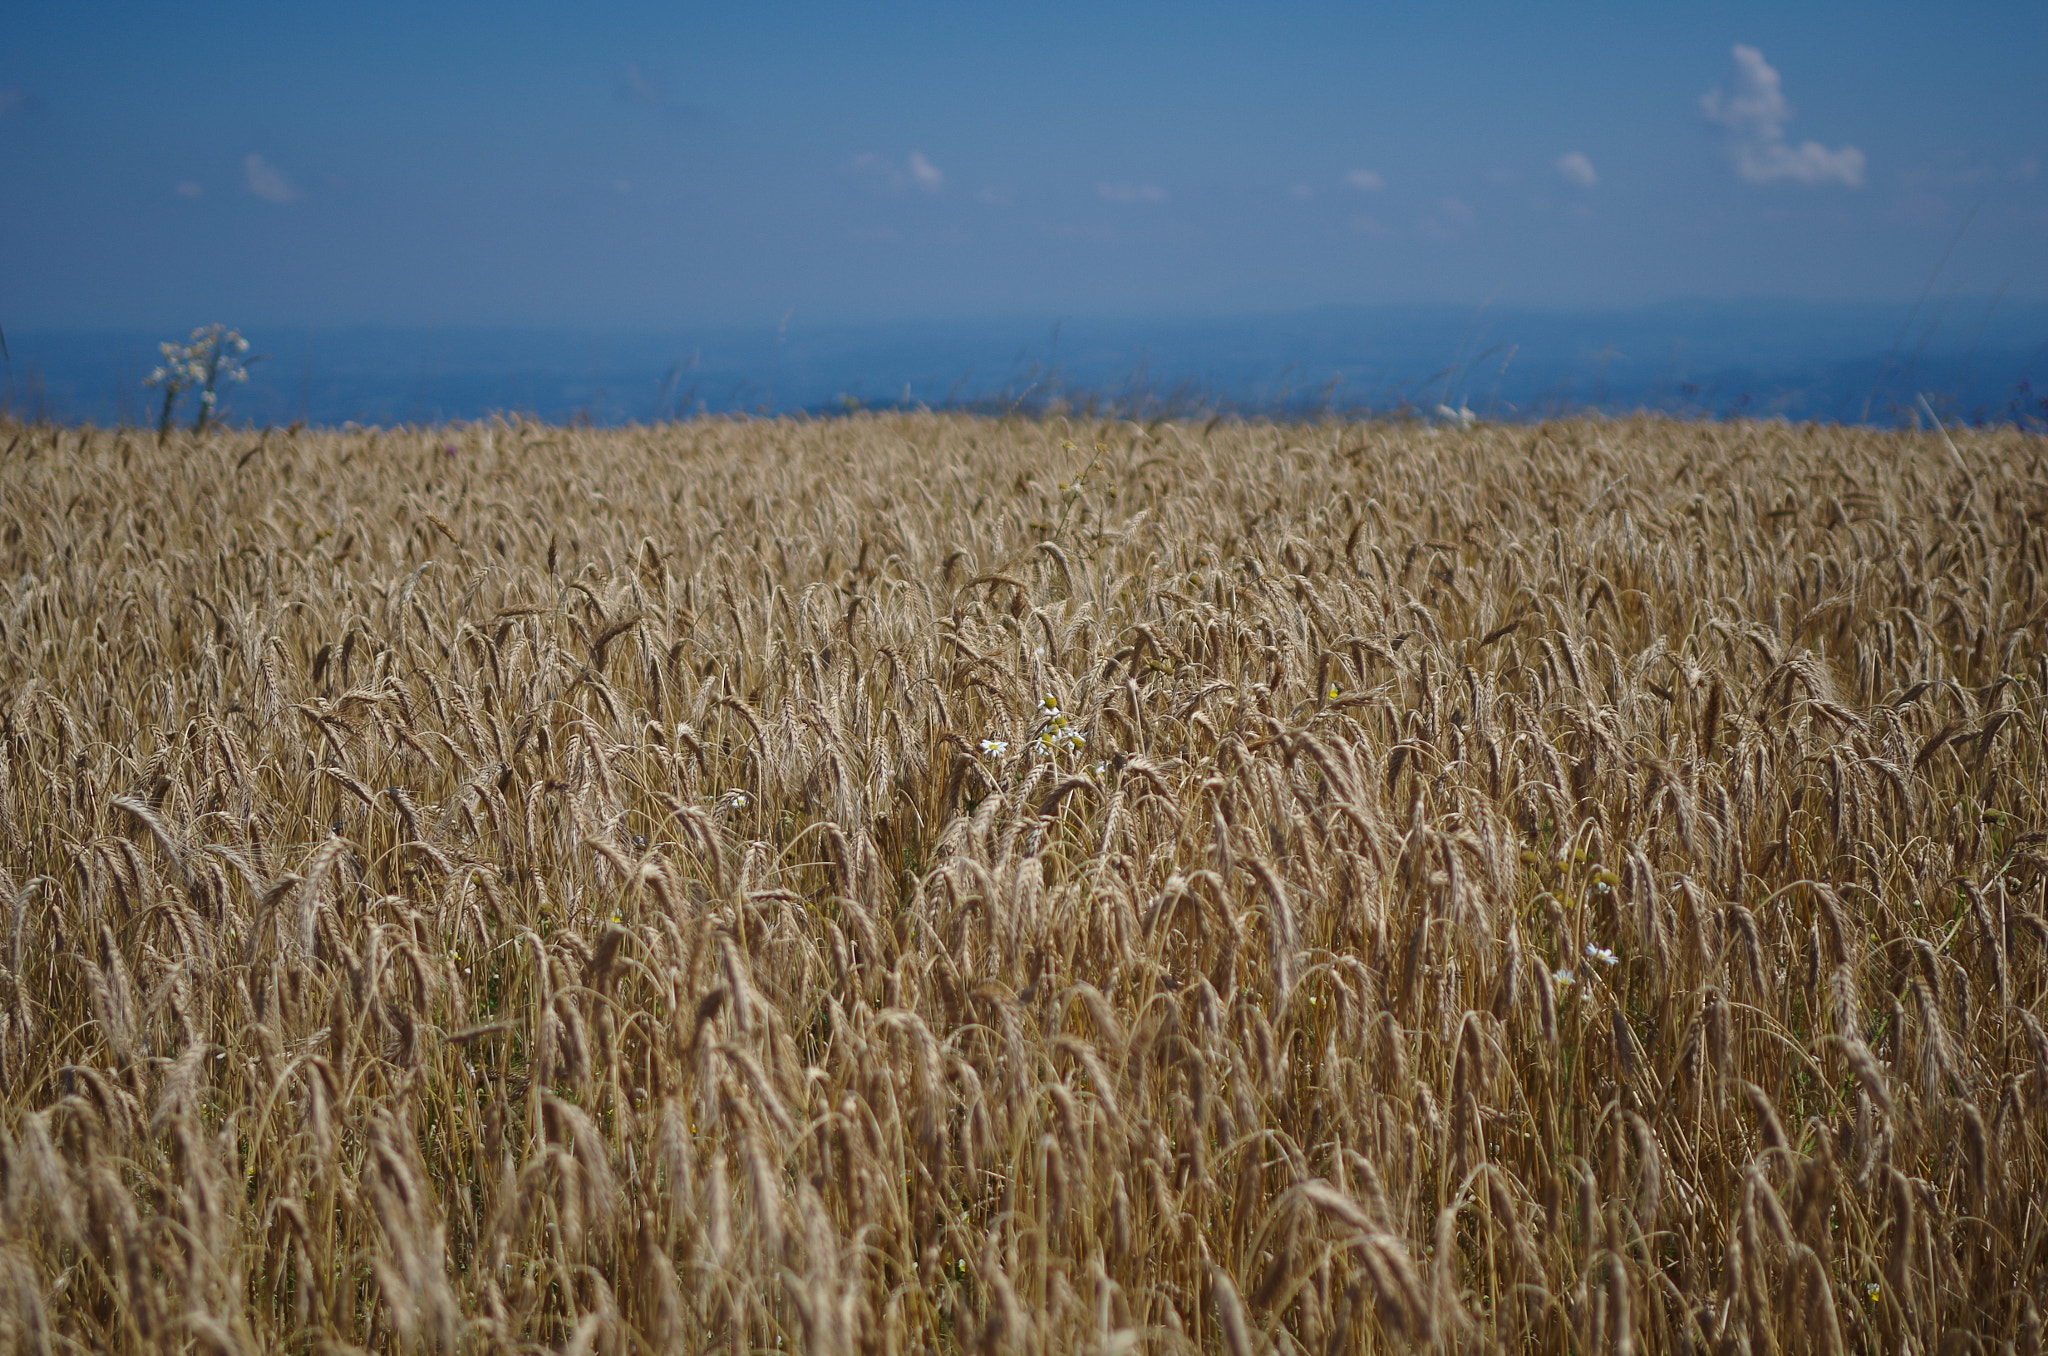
[925, 174]
[2027, 168]
[1364, 224]
[1754, 111]
[189, 188]
[1130, 193]
[994, 197]
[1576, 169]
[267, 181]
[1365, 181]
[918, 172]
[1451, 217]
[1301, 193]
[1808, 163]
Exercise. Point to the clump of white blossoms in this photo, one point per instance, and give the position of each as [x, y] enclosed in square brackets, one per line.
[1055, 735]
[1062, 741]
[215, 355]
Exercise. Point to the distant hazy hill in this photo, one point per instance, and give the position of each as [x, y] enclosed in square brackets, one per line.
[1976, 360]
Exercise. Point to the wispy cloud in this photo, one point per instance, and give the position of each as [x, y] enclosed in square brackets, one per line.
[1095, 235]
[994, 197]
[189, 188]
[1753, 112]
[1301, 193]
[637, 85]
[889, 235]
[1577, 169]
[925, 174]
[1365, 181]
[918, 172]
[267, 181]
[1130, 193]
[1451, 216]
[644, 87]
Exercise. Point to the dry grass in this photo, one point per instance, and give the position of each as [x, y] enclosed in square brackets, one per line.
[516, 888]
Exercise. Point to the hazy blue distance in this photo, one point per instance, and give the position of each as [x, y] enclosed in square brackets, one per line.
[1973, 359]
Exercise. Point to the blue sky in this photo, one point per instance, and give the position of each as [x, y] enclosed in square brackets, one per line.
[641, 167]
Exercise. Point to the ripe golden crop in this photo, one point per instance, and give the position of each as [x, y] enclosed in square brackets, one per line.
[905, 884]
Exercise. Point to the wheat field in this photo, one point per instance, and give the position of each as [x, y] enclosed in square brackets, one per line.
[927, 884]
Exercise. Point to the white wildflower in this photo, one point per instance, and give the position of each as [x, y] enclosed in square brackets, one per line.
[213, 356]
[1601, 954]
[995, 748]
